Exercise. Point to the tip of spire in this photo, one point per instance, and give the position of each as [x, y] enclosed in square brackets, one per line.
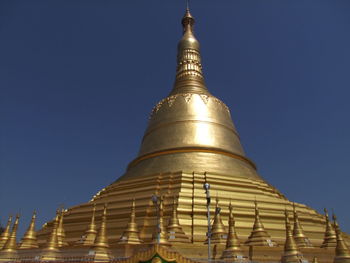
[286, 215]
[333, 215]
[187, 20]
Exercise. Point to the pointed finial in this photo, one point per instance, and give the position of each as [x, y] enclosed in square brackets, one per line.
[6, 234]
[163, 236]
[174, 230]
[29, 239]
[334, 217]
[131, 234]
[52, 243]
[11, 245]
[233, 247]
[259, 236]
[291, 252]
[100, 248]
[189, 75]
[101, 241]
[298, 232]
[174, 221]
[256, 208]
[330, 237]
[218, 231]
[342, 252]
[61, 234]
[90, 234]
[188, 20]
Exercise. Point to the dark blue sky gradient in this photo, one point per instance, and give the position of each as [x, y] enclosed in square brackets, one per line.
[78, 80]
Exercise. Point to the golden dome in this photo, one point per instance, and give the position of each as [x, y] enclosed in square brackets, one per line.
[191, 130]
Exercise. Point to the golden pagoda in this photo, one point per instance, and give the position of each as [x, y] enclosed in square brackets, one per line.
[89, 236]
[291, 252]
[29, 239]
[6, 234]
[298, 232]
[131, 234]
[233, 249]
[190, 141]
[218, 230]
[330, 237]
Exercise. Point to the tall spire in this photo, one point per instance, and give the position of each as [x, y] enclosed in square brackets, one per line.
[163, 235]
[11, 245]
[291, 253]
[342, 252]
[6, 234]
[330, 237]
[259, 236]
[218, 231]
[29, 239]
[100, 248]
[61, 234]
[101, 241]
[52, 243]
[90, 234]
[190, 126]
[175, 232]
[233, 248]
[131, 234]
[51, 250]
[189, 75]
[298, 232]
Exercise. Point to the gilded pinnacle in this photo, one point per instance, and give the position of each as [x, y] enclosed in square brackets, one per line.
[52, 243]
[298, 232]
[259, 236]
[61, 234]
[342, 252]
[90, 234]
[11, 245]
[218, 231]
[174, 229]
[29, 239]
[330, 237]
[233, 247]
[189, 75]
[131, 234]
[6, 234]
[163, 237]
[291, 252]
[101, 241]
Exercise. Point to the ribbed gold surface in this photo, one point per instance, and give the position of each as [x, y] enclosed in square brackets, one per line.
[191, 206]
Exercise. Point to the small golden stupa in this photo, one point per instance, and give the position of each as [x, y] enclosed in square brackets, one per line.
[157, 211]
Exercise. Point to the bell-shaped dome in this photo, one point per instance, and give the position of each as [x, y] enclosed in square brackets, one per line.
[191, 130]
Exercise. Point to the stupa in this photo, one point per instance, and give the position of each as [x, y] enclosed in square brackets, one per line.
[157, 211]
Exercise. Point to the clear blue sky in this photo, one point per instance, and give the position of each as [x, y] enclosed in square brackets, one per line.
[78, 80]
